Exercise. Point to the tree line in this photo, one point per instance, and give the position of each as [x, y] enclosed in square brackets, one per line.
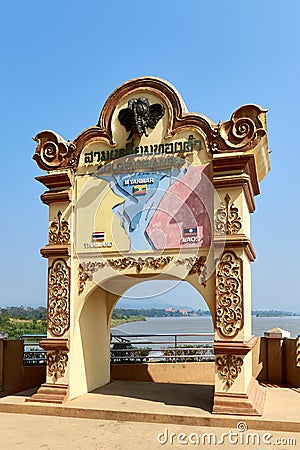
[18, 320]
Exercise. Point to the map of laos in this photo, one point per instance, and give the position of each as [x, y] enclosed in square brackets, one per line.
[167, 208]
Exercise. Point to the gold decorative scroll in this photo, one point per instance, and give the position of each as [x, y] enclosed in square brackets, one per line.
[196, 265]
[53, 151]
[86, 271]
[243, 131]
[59, 232]
[58, 297]
[57, 362]
[227, 219]
[229, 367]
[140, 263]
[229, 308]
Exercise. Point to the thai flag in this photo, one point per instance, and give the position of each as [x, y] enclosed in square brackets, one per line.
[190, 231]
[98, 236]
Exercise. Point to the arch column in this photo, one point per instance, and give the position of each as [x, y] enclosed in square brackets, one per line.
[236, 391]
[59, 254]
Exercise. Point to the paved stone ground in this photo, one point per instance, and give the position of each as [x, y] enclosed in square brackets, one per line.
[32, 432]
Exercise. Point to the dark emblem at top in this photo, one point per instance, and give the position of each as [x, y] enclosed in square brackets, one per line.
[140, 115]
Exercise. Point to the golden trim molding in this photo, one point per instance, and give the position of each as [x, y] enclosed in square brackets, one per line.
[58, 180]
[55, 250]
[233, 347]
[50, 197]
[237, 241]
[55, 344]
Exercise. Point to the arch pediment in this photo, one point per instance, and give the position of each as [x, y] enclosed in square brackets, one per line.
[245, 131]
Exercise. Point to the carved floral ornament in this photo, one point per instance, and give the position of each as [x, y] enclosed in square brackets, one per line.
[241, 133]
[140, 263]
[227, 219]
[229, 291]
[58, 298]
[87, 269]
[196, 266]
[57, 363]
[59, 232]
[229, 367]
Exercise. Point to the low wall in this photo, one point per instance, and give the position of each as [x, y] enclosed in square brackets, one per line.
[291, 370]
[14, 376]
[275, 361]
[190, 372]
[269, 366]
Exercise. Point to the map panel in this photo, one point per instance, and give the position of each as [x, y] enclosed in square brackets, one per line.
[167, 208]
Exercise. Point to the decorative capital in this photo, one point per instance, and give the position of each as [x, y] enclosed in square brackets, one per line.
[229, 367]
[53, 152]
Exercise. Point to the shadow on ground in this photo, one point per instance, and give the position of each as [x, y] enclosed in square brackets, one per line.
[194, 395]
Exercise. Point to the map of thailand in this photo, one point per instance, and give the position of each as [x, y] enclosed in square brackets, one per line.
[165, 208]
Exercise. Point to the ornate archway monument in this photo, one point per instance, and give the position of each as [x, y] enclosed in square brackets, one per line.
[151, 192]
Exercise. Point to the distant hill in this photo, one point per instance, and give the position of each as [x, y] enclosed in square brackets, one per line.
[148, 304]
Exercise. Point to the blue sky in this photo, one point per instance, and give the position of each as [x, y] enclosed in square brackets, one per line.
[61, 60]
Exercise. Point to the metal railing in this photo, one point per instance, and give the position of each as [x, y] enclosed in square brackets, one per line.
[175, 347]
[33, 354]
[138, 348]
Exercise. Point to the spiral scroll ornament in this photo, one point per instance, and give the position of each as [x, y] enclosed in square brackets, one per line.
[58, 298]
[243, 131]
[229, 307]
[53, 151]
